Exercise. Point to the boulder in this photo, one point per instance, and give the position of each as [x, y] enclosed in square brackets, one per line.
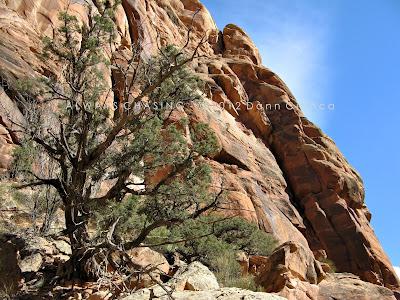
[31, 263]
[100, 295]
[238, 44]
[288, 263]
[63, 246]
[194, 277]
[10, 274]
[28, 251]
[345, 286]
[219, 294]
[143, 294]
[223, 294]
[146, 258]
[35, 244]
[191, 277]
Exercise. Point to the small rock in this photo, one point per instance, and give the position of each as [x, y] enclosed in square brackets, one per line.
[60, 257]
[289, 261]
[63, 246]
[194, 277]
[38, 244]
[31, 263]
[220, 294]
[145, 257]
[100, 295]
[144, 294]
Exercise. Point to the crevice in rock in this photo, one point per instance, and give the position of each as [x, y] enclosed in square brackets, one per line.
[116, 100]
[133, 20]
[220, 45]
[225, 158]
[12, 94]
[11, 133]
[308, 232]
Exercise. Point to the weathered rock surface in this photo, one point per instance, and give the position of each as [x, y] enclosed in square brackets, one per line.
[221, 294]
[224, 294]
[238, 45]
[289, 262]
[194, 277]
[195, 281]
[10, 274]
[292, 272]
[31, 263]
[283, 172]
[25, 257]
[146, 258]
[348, 286]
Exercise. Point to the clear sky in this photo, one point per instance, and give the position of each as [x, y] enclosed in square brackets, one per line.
[345, 55]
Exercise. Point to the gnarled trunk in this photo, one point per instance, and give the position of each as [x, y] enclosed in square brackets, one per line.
[77, 231]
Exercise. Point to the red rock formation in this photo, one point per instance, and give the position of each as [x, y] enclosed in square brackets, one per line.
[283, 172]
[289, 262]
[292, 271]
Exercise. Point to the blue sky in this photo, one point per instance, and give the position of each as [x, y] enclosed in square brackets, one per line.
[345, 55]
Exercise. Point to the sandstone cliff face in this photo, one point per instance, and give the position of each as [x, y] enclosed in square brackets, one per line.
[282, 171]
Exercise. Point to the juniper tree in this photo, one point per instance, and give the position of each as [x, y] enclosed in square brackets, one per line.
[108, 156]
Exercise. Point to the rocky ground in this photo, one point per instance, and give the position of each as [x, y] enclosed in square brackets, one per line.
[282, 171]
[31, 264]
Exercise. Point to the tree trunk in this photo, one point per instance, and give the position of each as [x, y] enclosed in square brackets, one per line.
[76, 228]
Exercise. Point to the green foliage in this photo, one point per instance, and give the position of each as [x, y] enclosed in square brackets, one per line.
[216, 242]
[38, 207]
[228, 273]
[126, 212]
[26, 85]
[210, 239]
[5, 196]
[172, 15]
[178, 198]
[41, 206]
[20, 198]
[207, 237]
[226, 268]
[245, 236]
[205, 141]
[23, 157]
[175, 88]
[330, 263]
[173, 202]
[158, 185]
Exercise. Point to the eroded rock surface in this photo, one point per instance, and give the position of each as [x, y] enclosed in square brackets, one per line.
[289, 262]
[194, 277]
[145, 258]
[220, 294]
[349, 286]
[283, 172]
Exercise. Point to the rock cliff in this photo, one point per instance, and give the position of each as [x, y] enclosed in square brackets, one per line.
[282, 171]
